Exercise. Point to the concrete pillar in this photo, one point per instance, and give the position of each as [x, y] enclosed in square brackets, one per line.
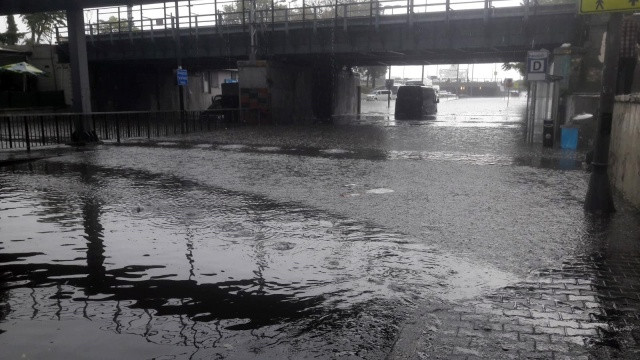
[83, 126]
[79, 63]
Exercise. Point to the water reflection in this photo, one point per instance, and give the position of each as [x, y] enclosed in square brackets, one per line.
[186, 265]
[95, 245]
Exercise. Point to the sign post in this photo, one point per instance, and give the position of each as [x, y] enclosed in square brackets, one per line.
[508, 84]
[537, 68]
[537, 65]
[182, 77]
[389, 85]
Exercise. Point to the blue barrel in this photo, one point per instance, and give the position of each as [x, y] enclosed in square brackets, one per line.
[569, 137]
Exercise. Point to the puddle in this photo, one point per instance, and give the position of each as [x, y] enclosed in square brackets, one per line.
[199, 267]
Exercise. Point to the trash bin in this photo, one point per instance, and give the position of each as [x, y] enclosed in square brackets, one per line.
[569, 137]
[586, 125]
[547, 133]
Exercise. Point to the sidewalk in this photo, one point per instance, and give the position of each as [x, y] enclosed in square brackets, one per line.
[586, 308]
[16, 156]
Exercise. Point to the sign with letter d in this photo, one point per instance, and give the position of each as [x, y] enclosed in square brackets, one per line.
[537, 65]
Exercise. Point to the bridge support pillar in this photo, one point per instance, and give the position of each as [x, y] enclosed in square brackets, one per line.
[282, 93]
[81, 89]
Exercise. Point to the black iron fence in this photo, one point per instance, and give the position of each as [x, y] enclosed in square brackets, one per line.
[26, 131]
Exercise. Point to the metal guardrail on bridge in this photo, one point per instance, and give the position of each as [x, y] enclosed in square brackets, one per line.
[26, 131]
[149, 21]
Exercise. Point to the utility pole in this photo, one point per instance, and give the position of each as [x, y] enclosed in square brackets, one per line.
[253, 31]
[458, 80]
[389, 95]
[599, 199]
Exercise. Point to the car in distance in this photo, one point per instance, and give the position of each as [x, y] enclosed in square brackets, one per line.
[415, 102]
[380, 95]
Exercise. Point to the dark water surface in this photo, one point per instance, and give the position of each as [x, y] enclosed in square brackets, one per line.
[277, 242]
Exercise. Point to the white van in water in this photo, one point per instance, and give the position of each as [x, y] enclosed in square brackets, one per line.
[380, 95]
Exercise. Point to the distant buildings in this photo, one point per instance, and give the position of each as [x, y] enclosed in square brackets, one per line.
[454, 73]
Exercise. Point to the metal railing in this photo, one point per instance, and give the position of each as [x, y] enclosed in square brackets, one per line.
[27, 131]
[150, 21]
[31, 130]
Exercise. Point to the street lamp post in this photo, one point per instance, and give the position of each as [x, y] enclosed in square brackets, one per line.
[599, 199]
[253, 31]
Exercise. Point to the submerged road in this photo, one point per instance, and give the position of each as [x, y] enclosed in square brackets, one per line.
[368, 238]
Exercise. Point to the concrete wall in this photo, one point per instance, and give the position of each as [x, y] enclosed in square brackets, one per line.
[345, 99]
[297, 94]
[624, 150]
[45, 58]
[292, 95]
[118, 87]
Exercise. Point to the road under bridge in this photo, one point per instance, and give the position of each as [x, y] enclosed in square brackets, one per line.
[310, 41]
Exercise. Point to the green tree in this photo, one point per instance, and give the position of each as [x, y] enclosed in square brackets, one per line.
[112, 25]
[11, 36]
[515, 66]
[232, 13]
[372, 72]
[41, 25]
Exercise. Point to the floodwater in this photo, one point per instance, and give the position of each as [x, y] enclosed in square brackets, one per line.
[278, 242]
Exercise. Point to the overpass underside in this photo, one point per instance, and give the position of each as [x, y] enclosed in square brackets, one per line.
[473, 36]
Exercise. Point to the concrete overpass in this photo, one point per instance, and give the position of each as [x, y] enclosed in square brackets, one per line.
[322, 37]
[369, 37]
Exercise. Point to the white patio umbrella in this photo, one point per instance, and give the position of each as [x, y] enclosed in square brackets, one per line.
[24, 69]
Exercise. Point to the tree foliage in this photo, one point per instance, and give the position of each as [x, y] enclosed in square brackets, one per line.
[318, 9]
[520, 66]
[372, 72]
[11, 36]
[232, 13]
[42, 25]
[112, 25]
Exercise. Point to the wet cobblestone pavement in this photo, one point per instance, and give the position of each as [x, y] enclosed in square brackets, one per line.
[588, 308]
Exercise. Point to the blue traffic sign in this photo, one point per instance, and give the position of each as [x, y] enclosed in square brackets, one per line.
[183, 79]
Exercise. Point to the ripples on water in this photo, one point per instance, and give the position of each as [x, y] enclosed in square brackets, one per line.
[201, 268]
[209, 272]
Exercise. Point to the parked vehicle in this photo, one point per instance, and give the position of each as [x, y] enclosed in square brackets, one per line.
[223, 106]
[415, 102]
[380, 95]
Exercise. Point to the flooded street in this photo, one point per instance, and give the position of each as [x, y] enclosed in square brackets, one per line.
[318, 241]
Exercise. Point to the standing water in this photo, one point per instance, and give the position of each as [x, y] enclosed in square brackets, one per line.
[276, 242]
